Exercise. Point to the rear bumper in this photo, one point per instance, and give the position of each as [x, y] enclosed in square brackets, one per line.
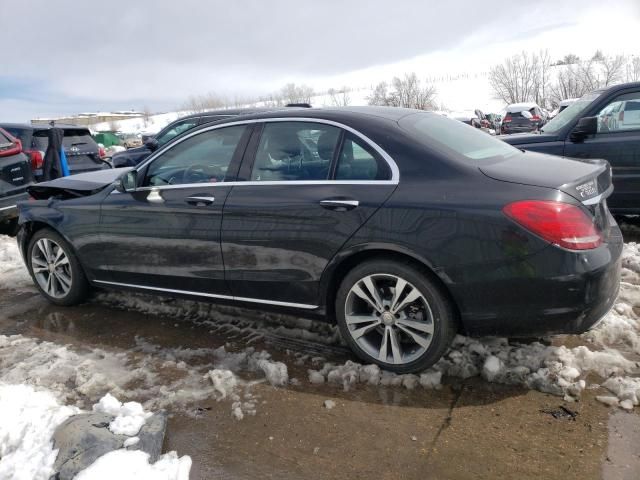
[551, 292]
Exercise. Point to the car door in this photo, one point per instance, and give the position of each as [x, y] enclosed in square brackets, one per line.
[166, 233]
[309, 186]
[619, 143]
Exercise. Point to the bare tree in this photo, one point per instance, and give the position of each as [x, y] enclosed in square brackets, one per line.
[201, 103]
[612, 69]
[633, 70]
[340, 97]
[408, 92]
[517, 79]
[380, 95]
[146, 115]
[292, 93]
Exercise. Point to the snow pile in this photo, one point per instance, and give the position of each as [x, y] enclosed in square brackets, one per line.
[129, 417]
[82, 377]
[28, 419]
[13, 273]
[134, 465]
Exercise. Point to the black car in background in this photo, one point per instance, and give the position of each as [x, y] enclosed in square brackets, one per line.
[522, 118]
[15, 177]
[402, 226]
[602, 124]
[134, 156]
[82, 152]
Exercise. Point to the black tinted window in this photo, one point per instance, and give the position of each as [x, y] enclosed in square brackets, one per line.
[295, 151]
[177, 129]
[22, 134]
[357, 161]
[203, 158]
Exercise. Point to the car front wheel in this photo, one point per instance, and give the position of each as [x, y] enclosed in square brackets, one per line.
[394, 315]
[55, 269]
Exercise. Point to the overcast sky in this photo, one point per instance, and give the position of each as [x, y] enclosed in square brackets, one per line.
[72, 56]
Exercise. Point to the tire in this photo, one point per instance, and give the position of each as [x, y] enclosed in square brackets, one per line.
[68, 285]
[431, 316]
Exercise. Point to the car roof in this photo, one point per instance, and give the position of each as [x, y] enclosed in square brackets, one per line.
[517, 107]
[567, 101]
[334, 113]
[42, 127]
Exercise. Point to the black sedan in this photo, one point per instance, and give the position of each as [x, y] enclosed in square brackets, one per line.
[404, 227]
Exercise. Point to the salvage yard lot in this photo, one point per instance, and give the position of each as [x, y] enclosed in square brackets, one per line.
[255, 395]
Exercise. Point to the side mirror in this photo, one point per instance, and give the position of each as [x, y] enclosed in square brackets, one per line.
[128, 182]
[151, 144]
[586, 126]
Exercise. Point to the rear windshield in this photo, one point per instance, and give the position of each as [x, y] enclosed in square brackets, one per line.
[21, 134]
[73, 137]
[570, 113]
[4, 139]
[455, 138]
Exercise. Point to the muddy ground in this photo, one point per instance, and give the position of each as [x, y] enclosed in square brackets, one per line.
[468, 429]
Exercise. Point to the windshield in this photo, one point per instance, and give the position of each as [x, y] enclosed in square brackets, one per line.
[453, 137]
[570, 113]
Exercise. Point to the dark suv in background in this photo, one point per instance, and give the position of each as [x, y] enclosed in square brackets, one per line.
[603, 124]
[15, 177]
[523, 118]
[134, 156]
[81, 150]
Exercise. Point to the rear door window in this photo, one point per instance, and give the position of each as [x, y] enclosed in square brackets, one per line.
[290, 151]
[358, 161]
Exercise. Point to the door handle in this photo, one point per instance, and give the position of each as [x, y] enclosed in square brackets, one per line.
[200, 201]
[339, 205]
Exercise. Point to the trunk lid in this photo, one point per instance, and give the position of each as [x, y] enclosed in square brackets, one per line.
[588, 181]
[80, 185]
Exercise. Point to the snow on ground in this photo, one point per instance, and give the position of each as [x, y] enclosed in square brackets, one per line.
[13, 274]
[611, 352]
[28, 419]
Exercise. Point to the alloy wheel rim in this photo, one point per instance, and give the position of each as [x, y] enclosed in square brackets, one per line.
[389, 318]
[51, 268]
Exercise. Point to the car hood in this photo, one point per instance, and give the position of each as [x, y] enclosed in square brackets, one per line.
[582, 179]
[79, 185]
[527, 138]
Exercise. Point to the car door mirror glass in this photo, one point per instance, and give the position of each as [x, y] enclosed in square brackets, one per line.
[152, 144]
[586, 126]
[128, 182]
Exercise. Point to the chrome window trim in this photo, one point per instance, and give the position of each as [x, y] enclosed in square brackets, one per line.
[8, 208]
[395, 172]
[212, 295]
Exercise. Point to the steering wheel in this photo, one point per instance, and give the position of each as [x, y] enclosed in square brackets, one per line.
[195, 174]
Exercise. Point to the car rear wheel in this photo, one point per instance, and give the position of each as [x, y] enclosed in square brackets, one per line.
[55, 269]
[394, 315]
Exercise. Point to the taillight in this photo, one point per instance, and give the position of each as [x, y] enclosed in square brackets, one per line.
[506, 119]
[560, 223]
[102, 152]
[536, 118]
[37, 159]
[12, 148]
